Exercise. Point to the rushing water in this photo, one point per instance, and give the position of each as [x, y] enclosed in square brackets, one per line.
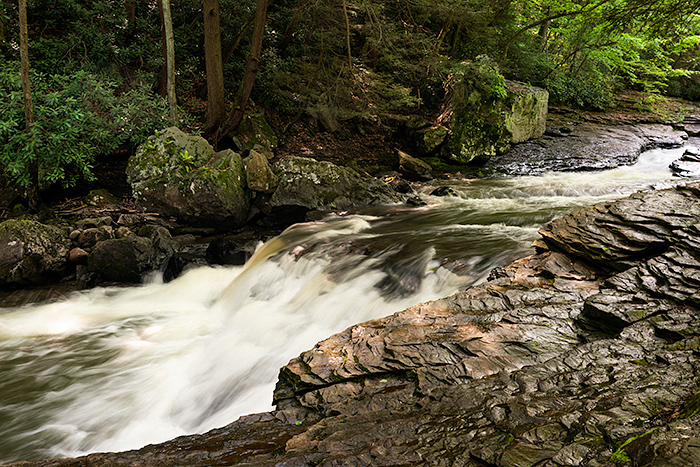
[117, 368]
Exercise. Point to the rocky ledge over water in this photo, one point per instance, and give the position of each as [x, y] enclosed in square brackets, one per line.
[583, 354]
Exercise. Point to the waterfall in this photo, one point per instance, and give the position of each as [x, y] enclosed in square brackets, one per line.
[115, 368]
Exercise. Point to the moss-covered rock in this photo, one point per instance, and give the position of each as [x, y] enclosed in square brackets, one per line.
[255, 131]
[32, 253]
[413, 168]
[179, 175]
[259, 174]
[485, 113]
[526, 112]
[307, 184]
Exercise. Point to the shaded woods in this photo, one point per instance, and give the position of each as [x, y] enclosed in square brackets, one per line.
[96, 69]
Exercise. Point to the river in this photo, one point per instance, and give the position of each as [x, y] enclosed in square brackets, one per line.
[117, 368]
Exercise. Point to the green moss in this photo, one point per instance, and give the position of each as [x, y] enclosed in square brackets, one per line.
[620, 456]
[691, 407]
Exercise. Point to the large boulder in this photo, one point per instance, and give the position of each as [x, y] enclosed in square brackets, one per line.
[122, 260]
[526, 112]
[32, 253]
[413, 168]
[307, 184]
[179, 175]
[485, 113]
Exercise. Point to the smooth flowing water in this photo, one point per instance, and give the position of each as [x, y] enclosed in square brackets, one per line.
[117, 368]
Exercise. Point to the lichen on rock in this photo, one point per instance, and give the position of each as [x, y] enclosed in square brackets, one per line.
[31, 253]
[179, 175]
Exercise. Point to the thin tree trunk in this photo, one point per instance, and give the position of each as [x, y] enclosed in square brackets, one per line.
[170, 60]
[24, 59]
[347, 34]
[235, 117]
[131, 12]
[214, 65]
[33, 188]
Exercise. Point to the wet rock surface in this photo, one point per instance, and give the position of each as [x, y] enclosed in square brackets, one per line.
[585, 353]
[688, 165]
[306, 184]
[585, 146]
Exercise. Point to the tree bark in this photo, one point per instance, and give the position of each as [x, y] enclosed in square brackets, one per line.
[24, 60]
[33, 189]
[235, 117]
[214, 65]
[131, 12]
[169, 60]
[347, 35]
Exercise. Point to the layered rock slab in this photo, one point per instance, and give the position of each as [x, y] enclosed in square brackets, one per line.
[578, 355]
[585, 147]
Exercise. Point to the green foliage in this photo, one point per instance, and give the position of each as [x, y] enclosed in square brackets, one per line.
[590, 89]
[77, 117]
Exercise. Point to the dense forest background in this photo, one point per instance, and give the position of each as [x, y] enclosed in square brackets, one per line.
[98, 74]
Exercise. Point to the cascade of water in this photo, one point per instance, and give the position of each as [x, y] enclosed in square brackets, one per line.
[116, 368]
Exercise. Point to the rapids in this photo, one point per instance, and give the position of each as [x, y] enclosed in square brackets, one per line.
[117, 368]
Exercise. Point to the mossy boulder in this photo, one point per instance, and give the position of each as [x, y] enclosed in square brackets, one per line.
[413, 168]
[485, 113]
[255, 131]
[32, 253]
[307, 184]
[526, 112]
[259, 174]
[180, 175]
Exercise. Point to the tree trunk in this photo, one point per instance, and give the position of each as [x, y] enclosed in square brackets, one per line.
[169, 60]
[347, 35]
[163, 73]
[235, 117]
[33, 188]
[214, 65]
[24, 59]
[131, 12]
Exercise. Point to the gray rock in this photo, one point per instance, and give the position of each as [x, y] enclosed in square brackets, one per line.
[413, 168]
[307, 184]
[122, 260]
[259, 174]
[688, 165]
[181, 176]
[32, 253]
[586, 147]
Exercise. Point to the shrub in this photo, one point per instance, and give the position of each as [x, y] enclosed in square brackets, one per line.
[77, 117]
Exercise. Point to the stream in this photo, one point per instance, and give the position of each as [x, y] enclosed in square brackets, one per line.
[115, 368]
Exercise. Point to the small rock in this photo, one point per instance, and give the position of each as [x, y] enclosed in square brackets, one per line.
[413, 168]
[89, 237]
[443, 191]
[93, 222]
[226, 252]
[78, 256]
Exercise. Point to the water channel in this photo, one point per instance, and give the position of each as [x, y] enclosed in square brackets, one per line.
[117, 368]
